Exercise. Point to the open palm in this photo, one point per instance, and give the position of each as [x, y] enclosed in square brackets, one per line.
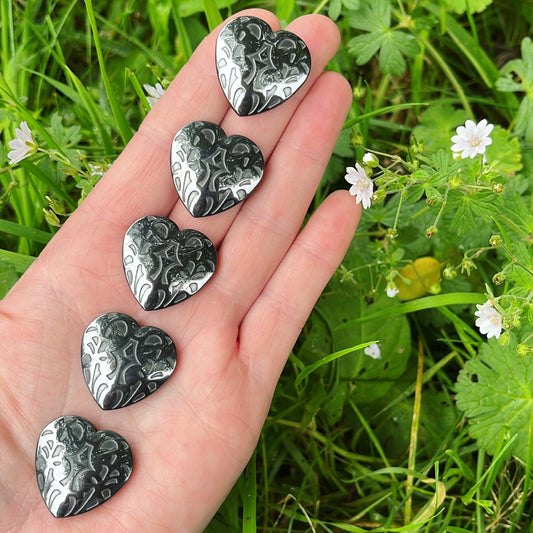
[192, 438]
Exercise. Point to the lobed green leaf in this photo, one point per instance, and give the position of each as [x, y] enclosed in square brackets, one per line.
[495, 391]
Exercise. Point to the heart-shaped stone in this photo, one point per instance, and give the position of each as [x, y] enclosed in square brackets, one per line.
[259, 69]
[79, 468]
[213, 172]
[123, 363]
[164, 265]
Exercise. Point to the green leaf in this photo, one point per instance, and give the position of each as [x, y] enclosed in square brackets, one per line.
[63, 135]
[469, 209]
[437, 125]
[507, 85]
[351, 4]
[460, 6]
[521, 267]
[495, 390]
[363, 47]
[505, 150]
[406, 42]
[372, 377]
[394, 44]
[371, 17]
[391, 60]
[524, 119]
[334, 9]
[397, 45]
[517, 76]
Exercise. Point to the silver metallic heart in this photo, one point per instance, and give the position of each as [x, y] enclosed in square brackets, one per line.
[79, 468]
[213, 172]
[123, 363]
[164, 265]
[259, 69]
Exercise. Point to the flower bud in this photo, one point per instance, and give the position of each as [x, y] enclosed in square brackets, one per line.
[508, 322]
[449, 272]
[498, 278]
[51, 218]
[504, 339]
[495, 241]
[392, 233]
[435, 288]
[359, 92]
[379, 195]
[56, 206]
[431, 231]
[391, 289]
[371, 160]
[498, 188]
[523, 349]
[455, 182]
[468, 265]
[357, 138]
[417, 146]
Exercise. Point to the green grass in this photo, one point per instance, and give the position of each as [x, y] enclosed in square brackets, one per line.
[350, 444]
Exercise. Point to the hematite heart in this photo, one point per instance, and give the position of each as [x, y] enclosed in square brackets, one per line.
[79, 468]
[213, 172]
[123, 363]
[259, 69]
[164, 265]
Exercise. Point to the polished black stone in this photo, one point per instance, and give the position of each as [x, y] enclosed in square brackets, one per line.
[213, 172]
[165, 265]
[259, 69]
[79, 468]
[123, 363]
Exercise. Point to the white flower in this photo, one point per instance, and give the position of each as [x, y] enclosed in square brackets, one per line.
[22, 145]
[362, 187]
[373, 351]
[370, 159]
[489, 320]
[392, 290]
[155, 93]
[472, 139]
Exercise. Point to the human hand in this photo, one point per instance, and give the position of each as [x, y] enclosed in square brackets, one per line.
[193, 437]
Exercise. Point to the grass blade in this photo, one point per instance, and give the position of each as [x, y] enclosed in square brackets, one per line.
[19, 262]
[249, 497]
[124, 128]
[429, 302]
[214, 18]
[381, 111]
[328, 359]
[19, 230]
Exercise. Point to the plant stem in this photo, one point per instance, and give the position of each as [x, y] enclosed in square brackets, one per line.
[449, 74]
[411, 461]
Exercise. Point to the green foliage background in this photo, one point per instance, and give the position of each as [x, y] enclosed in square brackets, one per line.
[436, 434]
